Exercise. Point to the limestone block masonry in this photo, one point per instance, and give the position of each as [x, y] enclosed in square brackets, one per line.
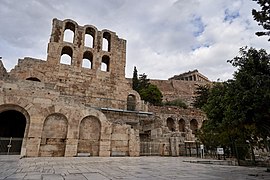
[78, 102]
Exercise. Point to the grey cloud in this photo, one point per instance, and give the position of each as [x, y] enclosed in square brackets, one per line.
[163, 38]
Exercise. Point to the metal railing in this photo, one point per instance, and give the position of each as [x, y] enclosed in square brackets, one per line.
[149, 148]
[10, 145]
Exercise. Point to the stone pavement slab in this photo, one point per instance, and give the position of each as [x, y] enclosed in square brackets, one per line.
[116, 168]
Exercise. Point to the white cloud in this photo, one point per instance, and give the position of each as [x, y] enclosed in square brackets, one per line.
[164, 38]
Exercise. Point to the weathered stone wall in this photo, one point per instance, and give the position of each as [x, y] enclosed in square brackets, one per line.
[171, 128]
[60, 126]
[3, 71]
[178, 89]
[97, 87]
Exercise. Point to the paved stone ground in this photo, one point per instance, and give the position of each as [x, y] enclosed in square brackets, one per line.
[135, 168]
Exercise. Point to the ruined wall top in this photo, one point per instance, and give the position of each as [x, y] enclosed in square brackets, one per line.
[3, 71]
[86, 47]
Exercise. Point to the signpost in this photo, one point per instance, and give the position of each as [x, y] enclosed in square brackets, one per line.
[220, 152]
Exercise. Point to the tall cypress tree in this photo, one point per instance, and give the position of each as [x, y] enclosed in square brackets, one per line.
[135, 80]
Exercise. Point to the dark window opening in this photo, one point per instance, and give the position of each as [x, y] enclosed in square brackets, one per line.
[194, 125]
[69, 32]
[89, 39]
[170, 124]
[87, 60]
[105, 63]
[66, 55]
[106, 42]
[182, 125]
[131, 102]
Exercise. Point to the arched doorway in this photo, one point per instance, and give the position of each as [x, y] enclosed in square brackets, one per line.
[170, 124]
[12, 130]
[194, 125]
[182, 125]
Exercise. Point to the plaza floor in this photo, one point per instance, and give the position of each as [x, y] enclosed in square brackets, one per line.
[128, 168]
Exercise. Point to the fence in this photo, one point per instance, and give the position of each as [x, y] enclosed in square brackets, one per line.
[149, 148]
[10, 146]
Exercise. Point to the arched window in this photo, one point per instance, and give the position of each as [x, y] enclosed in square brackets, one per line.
[131, 102]
[89, 38]
[69, 32]
[106, 41]
[170, 124]
[182, 125]
[33, 79]
[194, 125]
[105, 63]
[66, 55]
[87, 60]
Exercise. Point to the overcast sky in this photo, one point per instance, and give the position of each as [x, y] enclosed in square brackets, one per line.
[164, 37]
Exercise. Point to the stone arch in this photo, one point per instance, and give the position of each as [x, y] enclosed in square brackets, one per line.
[170, 124]
[105, 63]
[54, 134]
[131, 102]
[194, 125]
[106, 41]
[33, 79]
[89, 136]
[182, 125]
[89, 38]
[21, 116]
[87, 60]
[69, 32]
[66, 55]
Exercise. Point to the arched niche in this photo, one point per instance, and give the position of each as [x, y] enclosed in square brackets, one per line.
[89, 136]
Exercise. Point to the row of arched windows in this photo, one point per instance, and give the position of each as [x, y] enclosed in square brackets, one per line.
[87, 61]
[89, 37]
[182, 125]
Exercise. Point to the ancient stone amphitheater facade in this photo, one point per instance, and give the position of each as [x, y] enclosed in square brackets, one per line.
[78, 102]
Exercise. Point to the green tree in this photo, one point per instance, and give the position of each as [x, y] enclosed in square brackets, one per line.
[202, 93]
[148, 92]
[263, 17]
[143, 82]
[135, 80]
[239, 110]
[251, 90]
[151, 94]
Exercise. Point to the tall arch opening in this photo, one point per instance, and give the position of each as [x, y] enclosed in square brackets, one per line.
[87, 60]
[105, 63]
[89, 136]
[106, 42]
[53, 137]
[131, 102]
[182, 125]
[66, 55]
[12, 130]
[194, 125]
[89, 38]
[170, 124]
[69, 32]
